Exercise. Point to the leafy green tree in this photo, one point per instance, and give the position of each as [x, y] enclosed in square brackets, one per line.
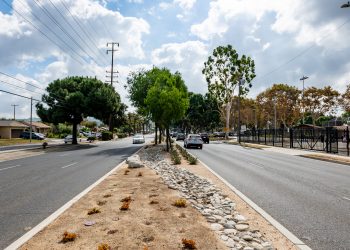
[167, 100]
[223, 71]
[73, 98]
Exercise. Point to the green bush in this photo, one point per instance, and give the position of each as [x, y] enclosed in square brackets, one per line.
[192, 160]
[91, 138]
[175, 157]
[122, 135]
[107, 135]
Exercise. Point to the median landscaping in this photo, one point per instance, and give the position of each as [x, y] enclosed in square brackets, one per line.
[159, 206]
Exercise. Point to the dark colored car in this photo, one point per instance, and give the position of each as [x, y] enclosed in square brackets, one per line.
[174, 134]
[219, 134]
[205, 137]
[180, 137]
[193, 140]
[35, 136]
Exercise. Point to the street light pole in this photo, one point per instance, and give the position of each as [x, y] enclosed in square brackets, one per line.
[303, 79]
[239, 109]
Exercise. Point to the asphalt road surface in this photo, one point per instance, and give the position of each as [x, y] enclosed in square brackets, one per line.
[33, 188]
[311, 198]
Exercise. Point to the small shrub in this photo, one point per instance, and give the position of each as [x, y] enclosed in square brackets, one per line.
[67, 236]
[139, 174]
[91, 138]
[104, 246]
[152, 202]
[175, 157]
[125, 206]
[101, 203]
[180, 203]
[126, 199]
[107, 196]
[94, 211]
[192, 160]
[189, 244]
[122, 135]
[126, 171]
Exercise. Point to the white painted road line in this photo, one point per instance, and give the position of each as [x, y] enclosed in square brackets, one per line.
[9, 167]
[65, 154]
[70, 165]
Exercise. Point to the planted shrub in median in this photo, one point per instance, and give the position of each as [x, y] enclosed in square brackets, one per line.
[191, 160]
[175, 157]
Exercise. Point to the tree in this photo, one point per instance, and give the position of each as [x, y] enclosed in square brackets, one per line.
[167, 100]
[223, 71]
[287, 101]
[73, 98]
[345, 100]
[319, 102]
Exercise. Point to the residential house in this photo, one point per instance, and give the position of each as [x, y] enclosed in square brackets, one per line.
[38, 127]
[11, 129]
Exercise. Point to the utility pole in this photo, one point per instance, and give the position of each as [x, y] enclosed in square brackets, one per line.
[31, 119]
[14, 111]
[111, 76]
[275, 110]
[240, 81]
[303, 79]
[113, 44]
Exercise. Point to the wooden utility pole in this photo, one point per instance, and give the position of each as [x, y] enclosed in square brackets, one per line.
[14, 110]
[111, 76]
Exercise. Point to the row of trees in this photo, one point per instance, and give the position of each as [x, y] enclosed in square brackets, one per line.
[292, 106]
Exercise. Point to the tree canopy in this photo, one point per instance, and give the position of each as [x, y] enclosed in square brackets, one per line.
[223, 70]
[73, 98]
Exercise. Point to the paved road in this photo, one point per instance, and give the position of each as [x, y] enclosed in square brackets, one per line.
[311, 198]
[33, 188]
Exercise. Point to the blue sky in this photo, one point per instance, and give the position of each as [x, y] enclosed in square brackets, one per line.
[286, 38]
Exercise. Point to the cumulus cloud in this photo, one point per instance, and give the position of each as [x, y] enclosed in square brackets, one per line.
[185, 4]
[187, 58]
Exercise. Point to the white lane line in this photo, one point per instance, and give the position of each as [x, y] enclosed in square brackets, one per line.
[9, 167]
[346, 198]
[65, 154]
[70, 165]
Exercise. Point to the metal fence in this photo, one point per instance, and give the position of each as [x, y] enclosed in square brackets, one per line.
[330, 140]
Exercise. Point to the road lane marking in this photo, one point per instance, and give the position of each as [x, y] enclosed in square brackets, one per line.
[70, 165]
[65, 154]
[10, 167]
[346, 198]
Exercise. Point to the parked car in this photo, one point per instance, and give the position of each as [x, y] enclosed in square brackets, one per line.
[68, 138]
[174, 134]
[35, 136]
[219, 134]
[180, 137]
[193, 140]
[138, 138]
[205, 137]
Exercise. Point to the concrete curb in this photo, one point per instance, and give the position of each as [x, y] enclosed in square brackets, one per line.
[27, 236]
[289, 235]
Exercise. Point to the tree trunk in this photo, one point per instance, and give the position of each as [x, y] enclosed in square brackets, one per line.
[74, 140]
[160, 135]
[228, 112]
[156, 135]
[168, 140]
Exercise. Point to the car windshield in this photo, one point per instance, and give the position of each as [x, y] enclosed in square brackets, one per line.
[138, 136]
[195, 137]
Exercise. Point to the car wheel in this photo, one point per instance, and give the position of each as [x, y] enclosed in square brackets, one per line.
[201, 147]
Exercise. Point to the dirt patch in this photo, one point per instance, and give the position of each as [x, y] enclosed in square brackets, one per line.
[256, 221]
[329, 158]
[151, 220]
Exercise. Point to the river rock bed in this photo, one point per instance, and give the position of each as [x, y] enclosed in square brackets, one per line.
[203, 195]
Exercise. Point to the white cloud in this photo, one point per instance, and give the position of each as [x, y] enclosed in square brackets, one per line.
[266, 46]
[185, 4]
[135, 1]
[187, 58]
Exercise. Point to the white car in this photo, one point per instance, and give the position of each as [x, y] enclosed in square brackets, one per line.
[193, 140]
[138, 138]
[68, 138]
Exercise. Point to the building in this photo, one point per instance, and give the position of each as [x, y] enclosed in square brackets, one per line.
[11, 129]
[38, 127]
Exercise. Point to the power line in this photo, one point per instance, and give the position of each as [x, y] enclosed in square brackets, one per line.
[30, 84]
[54, 20]
[43, 34]
[19, 87]
[303, 51]
[87, 34]
[11, 93]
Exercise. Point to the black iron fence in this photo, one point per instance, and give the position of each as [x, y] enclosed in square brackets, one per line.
[330, 140]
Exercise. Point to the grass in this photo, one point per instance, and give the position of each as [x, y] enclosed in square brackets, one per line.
[94, 211]
[189, 244]
[104, 246]
[17, 141]
[180, 203]
[67, 236]
[175, 157]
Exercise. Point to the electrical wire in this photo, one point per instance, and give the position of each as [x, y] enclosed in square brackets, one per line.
[19, 87]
